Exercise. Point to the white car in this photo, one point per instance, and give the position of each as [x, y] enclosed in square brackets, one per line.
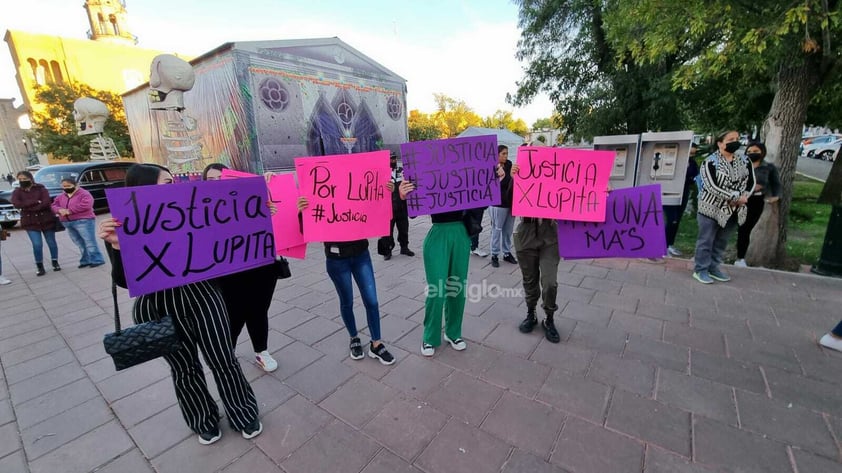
[825, 147]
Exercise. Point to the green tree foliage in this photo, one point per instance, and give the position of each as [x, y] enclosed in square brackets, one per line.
[595, 89]
[422, 127]
[787, 48]
[503, 119]
[54, 130]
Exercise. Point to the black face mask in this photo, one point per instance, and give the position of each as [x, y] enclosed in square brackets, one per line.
[25, 184]
[69, 190]
[755, 157]
[733, 146]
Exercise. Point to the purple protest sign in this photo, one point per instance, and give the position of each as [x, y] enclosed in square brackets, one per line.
[633, 228]
[173, 235]
[452, 174]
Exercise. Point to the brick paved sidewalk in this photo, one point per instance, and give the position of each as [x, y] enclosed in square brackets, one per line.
[655, 373]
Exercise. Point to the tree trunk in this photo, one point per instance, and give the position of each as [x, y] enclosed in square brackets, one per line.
[782, 135]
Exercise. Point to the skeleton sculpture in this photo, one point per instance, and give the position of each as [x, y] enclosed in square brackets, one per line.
[170, 77]
[90, 116]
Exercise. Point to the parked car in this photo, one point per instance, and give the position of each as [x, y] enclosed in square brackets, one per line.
[822, 147]
[93, 176]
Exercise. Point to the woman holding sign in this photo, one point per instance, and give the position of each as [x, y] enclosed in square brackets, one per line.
[247, 296]
[202, 324]
[727, 181]
[447, 251]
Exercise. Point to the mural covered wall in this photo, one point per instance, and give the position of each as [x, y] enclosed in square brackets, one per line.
[259, 105]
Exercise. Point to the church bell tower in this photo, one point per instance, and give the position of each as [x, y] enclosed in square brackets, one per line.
[108, 22]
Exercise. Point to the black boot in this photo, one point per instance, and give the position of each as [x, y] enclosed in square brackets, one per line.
[406, 251]
[529, 322]
[549, 329]
[40, 271]
[387, 256]
[56, 267]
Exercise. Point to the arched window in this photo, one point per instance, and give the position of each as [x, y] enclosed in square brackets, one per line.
[48, 76]
[56, 69]
[113, 20]
[103, 27]
[34, 66]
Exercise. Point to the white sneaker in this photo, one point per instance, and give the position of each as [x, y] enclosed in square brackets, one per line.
[265, 361]
[480, 253]
[673, 251]
[829, 341]
[427, 349]
[740, 263]
[457, 344]
[4, 280]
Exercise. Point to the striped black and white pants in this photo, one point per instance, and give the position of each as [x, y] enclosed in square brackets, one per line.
[202, 323]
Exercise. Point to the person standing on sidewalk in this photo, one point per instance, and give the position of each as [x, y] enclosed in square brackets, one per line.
[446, 256]
[348, 261]
[37, 218]
[536, 243]
[248, 296]
[400, 214]
[502, 221]
[75, 208]
[673, 213]
[201, 322]
[766, 189]
[726, 183]
[3, 280]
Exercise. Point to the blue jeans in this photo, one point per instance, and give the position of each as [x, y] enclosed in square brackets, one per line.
[38, 244]
[711, 243]
[340, 271]
[502, 226]
[81, 232]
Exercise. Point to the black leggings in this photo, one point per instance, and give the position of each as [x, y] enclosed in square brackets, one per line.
[247, 296]
[755, 210]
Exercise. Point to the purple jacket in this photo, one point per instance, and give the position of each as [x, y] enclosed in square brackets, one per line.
[34, 205]
[80, 204]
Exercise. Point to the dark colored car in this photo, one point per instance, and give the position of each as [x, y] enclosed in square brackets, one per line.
[93, 176]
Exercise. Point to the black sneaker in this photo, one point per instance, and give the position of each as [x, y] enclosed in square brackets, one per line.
[381, 354]
[252, 430]
[495, 262]
[211, 436]
[356, 349]
[509, 258]
[406, 251]
[528, 323]
[550, 331]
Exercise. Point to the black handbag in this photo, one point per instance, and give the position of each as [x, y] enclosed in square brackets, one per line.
[59, 225]
[139, 343]
[385, 245]
[282, 268]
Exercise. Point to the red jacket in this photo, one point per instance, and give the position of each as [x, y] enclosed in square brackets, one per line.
[34, 205]
[80, 204]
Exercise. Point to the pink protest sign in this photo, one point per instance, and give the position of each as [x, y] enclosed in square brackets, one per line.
[283, 193]
[234, 174]
[451, 174]
[561, 183]
[298, 252]
[633, 228]
[347, 196]
[174, 235]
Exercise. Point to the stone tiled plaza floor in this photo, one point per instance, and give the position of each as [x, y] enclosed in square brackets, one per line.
[655, 373]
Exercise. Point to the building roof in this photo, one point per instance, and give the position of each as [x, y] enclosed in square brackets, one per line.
[504, 137]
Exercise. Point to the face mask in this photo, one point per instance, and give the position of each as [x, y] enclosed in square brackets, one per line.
[25, 184]
[733, 146]
[69, 190]
[393, 164]
[755, 157]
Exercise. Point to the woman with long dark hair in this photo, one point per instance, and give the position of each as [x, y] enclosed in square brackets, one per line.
[202, 324]
[247, 296]
[766, 189]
